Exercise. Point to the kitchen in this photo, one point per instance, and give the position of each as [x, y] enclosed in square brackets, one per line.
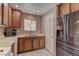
[25, 29]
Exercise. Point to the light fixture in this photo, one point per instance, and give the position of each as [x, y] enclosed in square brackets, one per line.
[38, 11]
[77, 21]
[16, 5]
[30, 12]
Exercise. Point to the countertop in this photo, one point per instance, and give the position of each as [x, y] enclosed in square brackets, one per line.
[24, 35]
[5, 51]
[7, 41]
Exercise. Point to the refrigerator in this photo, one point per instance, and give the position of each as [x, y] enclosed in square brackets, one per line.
[70, 27]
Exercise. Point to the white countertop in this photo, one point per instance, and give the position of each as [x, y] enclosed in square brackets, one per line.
[5, 51]
[7, 41]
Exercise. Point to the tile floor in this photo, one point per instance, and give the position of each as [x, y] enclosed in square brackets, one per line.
[41, 52]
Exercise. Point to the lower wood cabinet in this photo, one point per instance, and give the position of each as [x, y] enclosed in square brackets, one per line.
[27, 44]
[30, 43]
[42, 43]
[20, 45]
[35, 43]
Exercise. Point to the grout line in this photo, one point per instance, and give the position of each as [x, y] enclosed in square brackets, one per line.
[64, 52]
[68, 46]
[49, 51]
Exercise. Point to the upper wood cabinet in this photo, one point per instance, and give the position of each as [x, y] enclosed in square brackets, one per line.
[64, 9]
[5, 14]
[74, 7]
[10, 17]
[16, 18]
[0, 13]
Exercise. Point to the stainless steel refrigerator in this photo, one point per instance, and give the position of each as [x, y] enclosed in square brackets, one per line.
[70, 27]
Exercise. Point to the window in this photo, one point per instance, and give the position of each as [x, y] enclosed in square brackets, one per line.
[29, 25]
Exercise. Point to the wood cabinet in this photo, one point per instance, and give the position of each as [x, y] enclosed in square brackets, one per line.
[16, 18]
[27, 44]
[35, 42]
[5, 14]
[30, 43]
[0, 13]
[74, 7]
[20, 45]
[24, 44]
[64, 9]
[10, 17]
[42, 42]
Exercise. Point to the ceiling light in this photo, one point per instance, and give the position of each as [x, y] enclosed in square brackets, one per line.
[16, 5]
[77, 21]
[30, 12]
[38, 11]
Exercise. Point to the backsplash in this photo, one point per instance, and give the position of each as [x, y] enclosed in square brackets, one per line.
[36, 18]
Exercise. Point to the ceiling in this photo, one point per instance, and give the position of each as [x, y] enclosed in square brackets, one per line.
[34, 8]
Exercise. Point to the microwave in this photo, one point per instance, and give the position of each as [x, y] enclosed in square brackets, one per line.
[9, 32]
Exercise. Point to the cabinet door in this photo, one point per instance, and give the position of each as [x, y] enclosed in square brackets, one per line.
[35, 42]
[20, 45]
[5, 17]
[0, 13]
[42, 42]
[16, 18]
[74, 7]
[64, 9]
[27, 44]
[10, 17]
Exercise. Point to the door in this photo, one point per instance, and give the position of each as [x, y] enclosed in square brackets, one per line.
[49, 32]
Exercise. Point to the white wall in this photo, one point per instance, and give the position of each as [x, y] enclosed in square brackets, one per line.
[50, 44]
